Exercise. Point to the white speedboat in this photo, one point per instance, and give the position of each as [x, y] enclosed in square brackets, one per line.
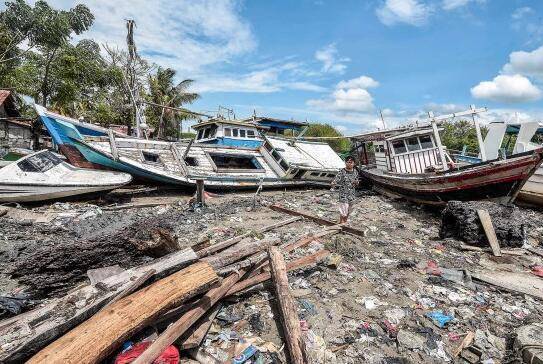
[43, 176]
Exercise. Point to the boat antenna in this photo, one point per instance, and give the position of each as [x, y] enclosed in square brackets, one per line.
[382, 119]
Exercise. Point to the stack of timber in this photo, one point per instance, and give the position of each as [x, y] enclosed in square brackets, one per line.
[177, 295]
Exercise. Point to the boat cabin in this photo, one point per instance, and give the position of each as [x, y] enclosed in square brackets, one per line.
[278, 126]
[231, 133]
[408, 152]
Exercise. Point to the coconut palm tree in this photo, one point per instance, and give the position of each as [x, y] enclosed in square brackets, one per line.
[165, 93]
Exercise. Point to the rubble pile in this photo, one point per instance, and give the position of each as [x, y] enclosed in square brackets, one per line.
[393, 289]
[460, 221]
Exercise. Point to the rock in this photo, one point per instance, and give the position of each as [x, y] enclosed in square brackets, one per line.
[527, 338]
[411, 340]
[459, 220]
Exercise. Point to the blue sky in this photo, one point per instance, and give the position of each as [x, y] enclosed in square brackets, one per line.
[341, 61]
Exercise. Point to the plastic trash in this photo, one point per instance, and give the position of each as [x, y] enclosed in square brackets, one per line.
[439, 318]
[245, 355]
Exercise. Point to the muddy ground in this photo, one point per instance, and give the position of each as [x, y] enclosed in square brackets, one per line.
[371, 305]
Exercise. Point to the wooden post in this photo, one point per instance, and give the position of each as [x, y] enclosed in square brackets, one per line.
[479, 135]
[112, 144]
[289, 317]
[200, 197]
[438, 142]
[490, 232]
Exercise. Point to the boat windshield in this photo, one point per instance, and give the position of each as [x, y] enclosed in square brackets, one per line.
[41, 162]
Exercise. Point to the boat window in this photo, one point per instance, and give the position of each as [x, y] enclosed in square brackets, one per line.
[224, 161]
[191, 161]
[39, 163]
[399, 147]
[276, 155]
[315, 174]
[227, 132]
[242, 133]
[413, 144]
[213, 131]
[283, 164]
[150, 157]
[379, 148]
[200, 132]
[331, 175]
[323, 174]
[426, 142]
[250, 133]
[235, 132]
[206, 133]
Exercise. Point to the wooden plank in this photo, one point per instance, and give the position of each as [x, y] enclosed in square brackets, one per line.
[200, 329]
[486, 221]
[96, 338]
[25, 334]
[289, 315]
[239, 251]
[135, 285]
[227, 243]
[178, 328]
[303, 262]
[503, 251]
[468, 339]
[318, 220]
[525, 283]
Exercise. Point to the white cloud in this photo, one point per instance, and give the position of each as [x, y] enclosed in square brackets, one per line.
[526, 63]
[412, 12]
[444, 108]
[520, 13]
[507, 88]
[349, 97]
[359, 82]
[455, 4]
[330, 61]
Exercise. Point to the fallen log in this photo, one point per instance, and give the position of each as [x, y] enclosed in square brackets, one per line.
[228, 243]
[178, 328]
[25, 334]
[93, 340]
[318, 220]
[289, 316]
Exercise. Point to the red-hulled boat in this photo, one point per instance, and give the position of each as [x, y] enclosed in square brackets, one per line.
[412, 163]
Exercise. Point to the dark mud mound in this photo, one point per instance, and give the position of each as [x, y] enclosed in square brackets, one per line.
[459, 220]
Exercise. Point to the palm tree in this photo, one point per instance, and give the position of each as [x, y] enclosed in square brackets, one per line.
[165, 93]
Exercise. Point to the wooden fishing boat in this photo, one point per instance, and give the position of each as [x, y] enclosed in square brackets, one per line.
[413, 164]
[43, 176]
[225, 154]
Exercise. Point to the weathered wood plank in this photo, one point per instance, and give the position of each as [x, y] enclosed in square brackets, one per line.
[318, 220]
[490, 233]
[97, 337]
[289, 315]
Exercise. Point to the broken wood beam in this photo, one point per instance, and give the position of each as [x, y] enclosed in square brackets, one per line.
[200, 329]
[303, 262]
[134, 286]
[50, 321]
[228, 243]
[200, 194]
[238, 252]
[96, 338]
[318, 220]
[289, 315]
[503, 251]
[490, 233]
[468, 339]
[178, 328]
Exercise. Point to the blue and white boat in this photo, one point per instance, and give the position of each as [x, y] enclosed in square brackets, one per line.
[225, 154]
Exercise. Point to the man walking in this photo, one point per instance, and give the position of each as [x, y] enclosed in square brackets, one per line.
[345, 183]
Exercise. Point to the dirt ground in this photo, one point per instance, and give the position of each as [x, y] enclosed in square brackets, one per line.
[370, 303]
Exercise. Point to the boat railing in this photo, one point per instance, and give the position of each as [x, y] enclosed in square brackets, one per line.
[415, 162]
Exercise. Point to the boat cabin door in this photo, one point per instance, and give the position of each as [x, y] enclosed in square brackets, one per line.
[381, 160]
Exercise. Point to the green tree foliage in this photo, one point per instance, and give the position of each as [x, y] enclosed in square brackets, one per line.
[163, 91]
[457, 134]
[326, 130]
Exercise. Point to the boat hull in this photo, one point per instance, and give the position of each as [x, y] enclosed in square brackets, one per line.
[33, 193]
[532, 192]
[499, 180]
